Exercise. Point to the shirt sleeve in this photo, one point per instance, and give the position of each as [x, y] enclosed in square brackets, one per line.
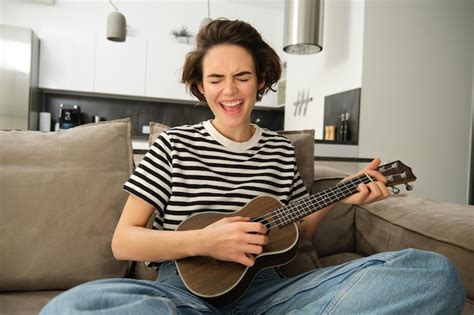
[152, 179]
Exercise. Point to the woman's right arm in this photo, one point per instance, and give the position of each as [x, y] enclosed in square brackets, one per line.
[230, 239]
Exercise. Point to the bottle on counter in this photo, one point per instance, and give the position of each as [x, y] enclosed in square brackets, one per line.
[340, 134]
[347, 129]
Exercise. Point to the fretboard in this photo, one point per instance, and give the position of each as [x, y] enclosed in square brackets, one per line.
[297, 210]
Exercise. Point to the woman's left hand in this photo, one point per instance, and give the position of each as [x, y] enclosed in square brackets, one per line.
[371, 192]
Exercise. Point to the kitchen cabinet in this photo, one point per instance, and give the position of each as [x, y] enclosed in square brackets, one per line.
[66, 59]
[165, 60]
[148, 66]
[120, 67]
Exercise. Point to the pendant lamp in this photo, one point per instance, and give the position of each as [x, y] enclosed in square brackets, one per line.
[207, 19]
[116, 26]
[303, 26]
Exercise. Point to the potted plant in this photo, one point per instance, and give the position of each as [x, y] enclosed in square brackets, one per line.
[182, 35]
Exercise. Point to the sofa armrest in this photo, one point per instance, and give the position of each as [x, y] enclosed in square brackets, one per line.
[403, 221]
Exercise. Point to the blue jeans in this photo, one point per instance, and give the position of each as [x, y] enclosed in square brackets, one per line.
[403, 282]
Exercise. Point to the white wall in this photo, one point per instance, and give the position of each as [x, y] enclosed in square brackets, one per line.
[416, 91]
[337, 68]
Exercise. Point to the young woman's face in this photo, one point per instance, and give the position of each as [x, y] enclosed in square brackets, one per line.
[230, 86]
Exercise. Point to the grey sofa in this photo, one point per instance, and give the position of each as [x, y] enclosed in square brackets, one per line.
[62, 196]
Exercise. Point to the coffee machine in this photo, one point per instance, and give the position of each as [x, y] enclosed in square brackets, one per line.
[69, 116]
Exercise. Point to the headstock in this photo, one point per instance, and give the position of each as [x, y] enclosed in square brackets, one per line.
[397, 173]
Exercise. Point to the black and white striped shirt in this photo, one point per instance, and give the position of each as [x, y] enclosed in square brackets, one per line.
[192, 169]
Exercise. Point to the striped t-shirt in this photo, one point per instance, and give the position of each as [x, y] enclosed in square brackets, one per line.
[192, 169]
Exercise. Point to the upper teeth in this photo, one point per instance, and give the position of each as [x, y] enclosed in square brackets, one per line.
[232, 103]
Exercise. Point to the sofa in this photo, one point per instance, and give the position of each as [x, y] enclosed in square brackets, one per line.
[61, 197]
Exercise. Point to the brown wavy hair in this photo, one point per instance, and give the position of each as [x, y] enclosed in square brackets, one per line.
[223, 31]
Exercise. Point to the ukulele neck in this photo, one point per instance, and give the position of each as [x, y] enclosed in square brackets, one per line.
[299, 209]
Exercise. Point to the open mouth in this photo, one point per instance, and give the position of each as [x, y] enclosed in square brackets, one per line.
[232, 107]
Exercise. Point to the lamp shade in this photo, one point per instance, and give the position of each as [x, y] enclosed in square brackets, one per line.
[304, 20]
[116, 27]
[204, 22]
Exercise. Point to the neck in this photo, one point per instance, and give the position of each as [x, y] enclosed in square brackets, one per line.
[238, 134]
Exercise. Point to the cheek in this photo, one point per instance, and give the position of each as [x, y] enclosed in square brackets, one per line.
[250, 90]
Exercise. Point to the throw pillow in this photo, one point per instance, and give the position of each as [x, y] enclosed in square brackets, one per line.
[61, 200]
[303, 141]
[155, 130]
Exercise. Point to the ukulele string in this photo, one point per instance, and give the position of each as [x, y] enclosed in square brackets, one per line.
[287, 217]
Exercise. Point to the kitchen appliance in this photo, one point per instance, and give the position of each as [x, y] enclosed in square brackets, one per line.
[69, 116]
[20, 97]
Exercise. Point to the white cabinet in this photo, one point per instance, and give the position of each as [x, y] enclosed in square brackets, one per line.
[165, 60]
[66, 59]
[120, 67]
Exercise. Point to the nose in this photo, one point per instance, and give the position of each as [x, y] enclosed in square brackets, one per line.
[230, 87]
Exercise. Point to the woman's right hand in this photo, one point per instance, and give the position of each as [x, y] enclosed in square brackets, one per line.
[234, 239]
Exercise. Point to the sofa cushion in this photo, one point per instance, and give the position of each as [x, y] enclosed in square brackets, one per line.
[25, 303]
[61, 199]
[335, 234]
[403, 221]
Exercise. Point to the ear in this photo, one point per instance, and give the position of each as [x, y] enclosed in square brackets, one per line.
[261, 85]
[200, 88]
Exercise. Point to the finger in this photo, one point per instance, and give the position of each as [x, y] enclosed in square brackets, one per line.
[363, 193]
[373, 165]
[254, 227]
[256, 239]
[253, 249]
[246, 260]
[375, 193]
[377, 176]
[384, 190]
[237, 219]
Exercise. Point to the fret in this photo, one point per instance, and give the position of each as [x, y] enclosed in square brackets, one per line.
[278, 217]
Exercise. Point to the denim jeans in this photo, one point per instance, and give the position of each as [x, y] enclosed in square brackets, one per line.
[402, 282]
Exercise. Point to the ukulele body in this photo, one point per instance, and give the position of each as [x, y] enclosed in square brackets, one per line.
[221, 282]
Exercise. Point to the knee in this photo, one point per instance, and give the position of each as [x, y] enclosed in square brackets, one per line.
[450, 286]
[441, 277]
[81, 297]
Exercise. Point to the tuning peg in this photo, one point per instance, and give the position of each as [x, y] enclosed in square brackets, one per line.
[395, 190]
[409, 187]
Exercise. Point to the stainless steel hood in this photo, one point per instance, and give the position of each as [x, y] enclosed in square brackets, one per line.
[304, 20]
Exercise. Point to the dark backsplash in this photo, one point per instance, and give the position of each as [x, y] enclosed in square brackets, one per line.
[142, 112]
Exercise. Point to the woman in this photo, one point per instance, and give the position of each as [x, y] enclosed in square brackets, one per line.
[222, 164]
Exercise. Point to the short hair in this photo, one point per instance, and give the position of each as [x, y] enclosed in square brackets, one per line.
[222, 31]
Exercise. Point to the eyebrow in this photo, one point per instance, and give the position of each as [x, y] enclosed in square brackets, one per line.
[242, 73]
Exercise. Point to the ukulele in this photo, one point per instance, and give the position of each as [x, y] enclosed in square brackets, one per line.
[221, 282]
